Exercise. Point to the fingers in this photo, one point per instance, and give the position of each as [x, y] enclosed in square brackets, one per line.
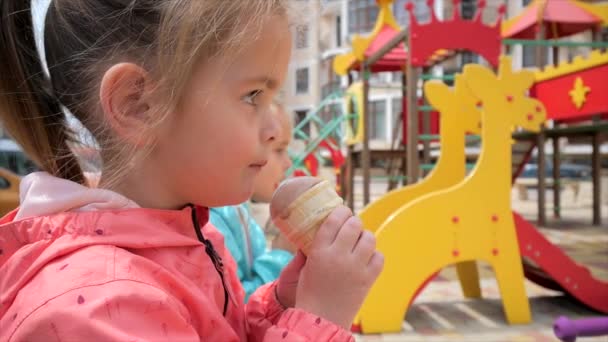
[366, 246]
[349, 234]
[376, 264]
[331, 226]
[297, 262]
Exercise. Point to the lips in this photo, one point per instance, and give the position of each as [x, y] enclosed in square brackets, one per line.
[259, 164]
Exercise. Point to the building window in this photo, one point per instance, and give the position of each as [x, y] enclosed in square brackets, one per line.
[529, 56]
[300, 116]
[380, 78]
[468, 57]
[400, 13]
[362, 15]
[421, 12]
[330, 113]
[396, 76]
[467, 8]
[395, 117]
[377, 110]
[330, 87]
[302, 81]
[301, 36]
[338, 31]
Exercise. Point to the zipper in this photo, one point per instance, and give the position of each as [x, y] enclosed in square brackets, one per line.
[212, 253]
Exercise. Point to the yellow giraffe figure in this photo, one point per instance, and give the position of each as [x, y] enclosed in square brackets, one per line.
[459, 116]
[469, 221]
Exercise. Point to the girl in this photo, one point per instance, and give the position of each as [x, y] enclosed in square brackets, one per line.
[177, 96]
[243, 236]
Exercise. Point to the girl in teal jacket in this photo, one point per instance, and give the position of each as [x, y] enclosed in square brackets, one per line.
[245, 240]
[243, 236]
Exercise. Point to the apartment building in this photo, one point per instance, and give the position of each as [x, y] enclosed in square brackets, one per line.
[325, 28]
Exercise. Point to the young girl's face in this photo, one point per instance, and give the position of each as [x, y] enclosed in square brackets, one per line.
[279, 162]
[213, 148]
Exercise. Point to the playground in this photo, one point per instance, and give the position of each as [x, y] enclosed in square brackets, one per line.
[441, 313]
[471, 253]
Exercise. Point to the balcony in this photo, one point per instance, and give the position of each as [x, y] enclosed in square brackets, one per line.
[331, 7]
[329, 88]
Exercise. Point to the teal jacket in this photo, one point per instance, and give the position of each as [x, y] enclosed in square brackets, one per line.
[245, 240]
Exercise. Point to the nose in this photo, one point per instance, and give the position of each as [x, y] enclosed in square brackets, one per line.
[271, 127]
[286, 162]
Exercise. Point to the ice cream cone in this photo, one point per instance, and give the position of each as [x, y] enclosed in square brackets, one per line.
[300, 206]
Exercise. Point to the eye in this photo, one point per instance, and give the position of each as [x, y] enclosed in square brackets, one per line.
[250, 98]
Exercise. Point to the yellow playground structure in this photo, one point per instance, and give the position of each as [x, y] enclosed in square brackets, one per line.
[469, 221]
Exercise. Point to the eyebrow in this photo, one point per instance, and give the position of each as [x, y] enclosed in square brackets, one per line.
[270, 83]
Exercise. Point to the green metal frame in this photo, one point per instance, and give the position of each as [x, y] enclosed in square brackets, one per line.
[557, 43]
[327, 128]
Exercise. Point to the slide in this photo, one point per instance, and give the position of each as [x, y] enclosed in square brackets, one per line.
[552, 268]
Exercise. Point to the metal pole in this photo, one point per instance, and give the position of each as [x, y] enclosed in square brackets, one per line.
[556, 178]
[412, 125]
[597, 174]
[349, 191]
[404, 110]
[540, 143]
[556, 158]
[365, 156]
[426, 129]
[350, 174]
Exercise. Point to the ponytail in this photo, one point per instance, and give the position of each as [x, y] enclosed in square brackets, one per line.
[29, 109]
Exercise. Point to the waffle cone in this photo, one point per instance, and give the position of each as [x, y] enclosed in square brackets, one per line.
[303, 217]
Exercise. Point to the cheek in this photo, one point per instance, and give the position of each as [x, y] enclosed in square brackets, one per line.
[286, 162]
[263, 181]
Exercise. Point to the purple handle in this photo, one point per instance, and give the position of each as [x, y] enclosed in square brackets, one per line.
[567, 329]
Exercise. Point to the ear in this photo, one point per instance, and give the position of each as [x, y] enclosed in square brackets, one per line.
[523, 80]
[125, 102]
[438, 94]
[520, 80]
[481, 81]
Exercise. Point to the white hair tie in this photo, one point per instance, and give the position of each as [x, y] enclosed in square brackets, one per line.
[39, 10]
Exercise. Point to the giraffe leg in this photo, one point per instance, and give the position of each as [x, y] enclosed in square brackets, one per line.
[510, 278]
[469, 279]
[387, 303]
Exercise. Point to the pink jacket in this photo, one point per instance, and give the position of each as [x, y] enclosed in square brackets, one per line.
[80, 264]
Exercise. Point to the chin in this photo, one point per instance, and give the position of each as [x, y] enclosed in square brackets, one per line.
[264, 198]
[225, 199]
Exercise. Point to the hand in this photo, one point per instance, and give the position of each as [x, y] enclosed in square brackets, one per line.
[340, 269]
[287, 283]
[281, 242]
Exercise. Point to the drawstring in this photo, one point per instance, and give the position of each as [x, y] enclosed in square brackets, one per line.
[215, 258]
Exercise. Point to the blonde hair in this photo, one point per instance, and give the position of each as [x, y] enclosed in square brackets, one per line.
[83, 38]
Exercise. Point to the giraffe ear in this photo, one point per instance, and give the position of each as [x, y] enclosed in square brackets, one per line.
[522, 81]
[438, 94]
[519, 81]
[481, 81]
